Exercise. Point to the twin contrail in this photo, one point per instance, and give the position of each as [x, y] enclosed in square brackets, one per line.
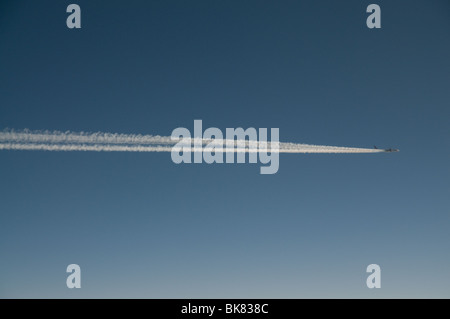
[109, 142]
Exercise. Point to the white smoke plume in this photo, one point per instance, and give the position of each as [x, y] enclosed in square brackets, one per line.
[109, 142]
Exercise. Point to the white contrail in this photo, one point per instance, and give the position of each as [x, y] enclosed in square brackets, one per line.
[108, 142]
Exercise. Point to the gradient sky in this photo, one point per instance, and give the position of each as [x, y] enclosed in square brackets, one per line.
[141, 226]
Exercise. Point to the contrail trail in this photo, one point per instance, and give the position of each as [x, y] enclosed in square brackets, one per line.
[109, 142]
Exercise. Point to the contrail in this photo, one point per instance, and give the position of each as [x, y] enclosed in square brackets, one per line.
[109, 142]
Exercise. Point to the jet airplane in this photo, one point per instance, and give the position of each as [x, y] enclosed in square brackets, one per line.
[388, 150]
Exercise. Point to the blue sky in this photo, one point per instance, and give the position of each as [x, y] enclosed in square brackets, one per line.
[141, 226]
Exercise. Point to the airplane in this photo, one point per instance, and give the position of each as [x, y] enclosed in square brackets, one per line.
[389, 150]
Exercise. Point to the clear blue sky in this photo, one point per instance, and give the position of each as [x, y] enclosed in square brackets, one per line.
[141, 226]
